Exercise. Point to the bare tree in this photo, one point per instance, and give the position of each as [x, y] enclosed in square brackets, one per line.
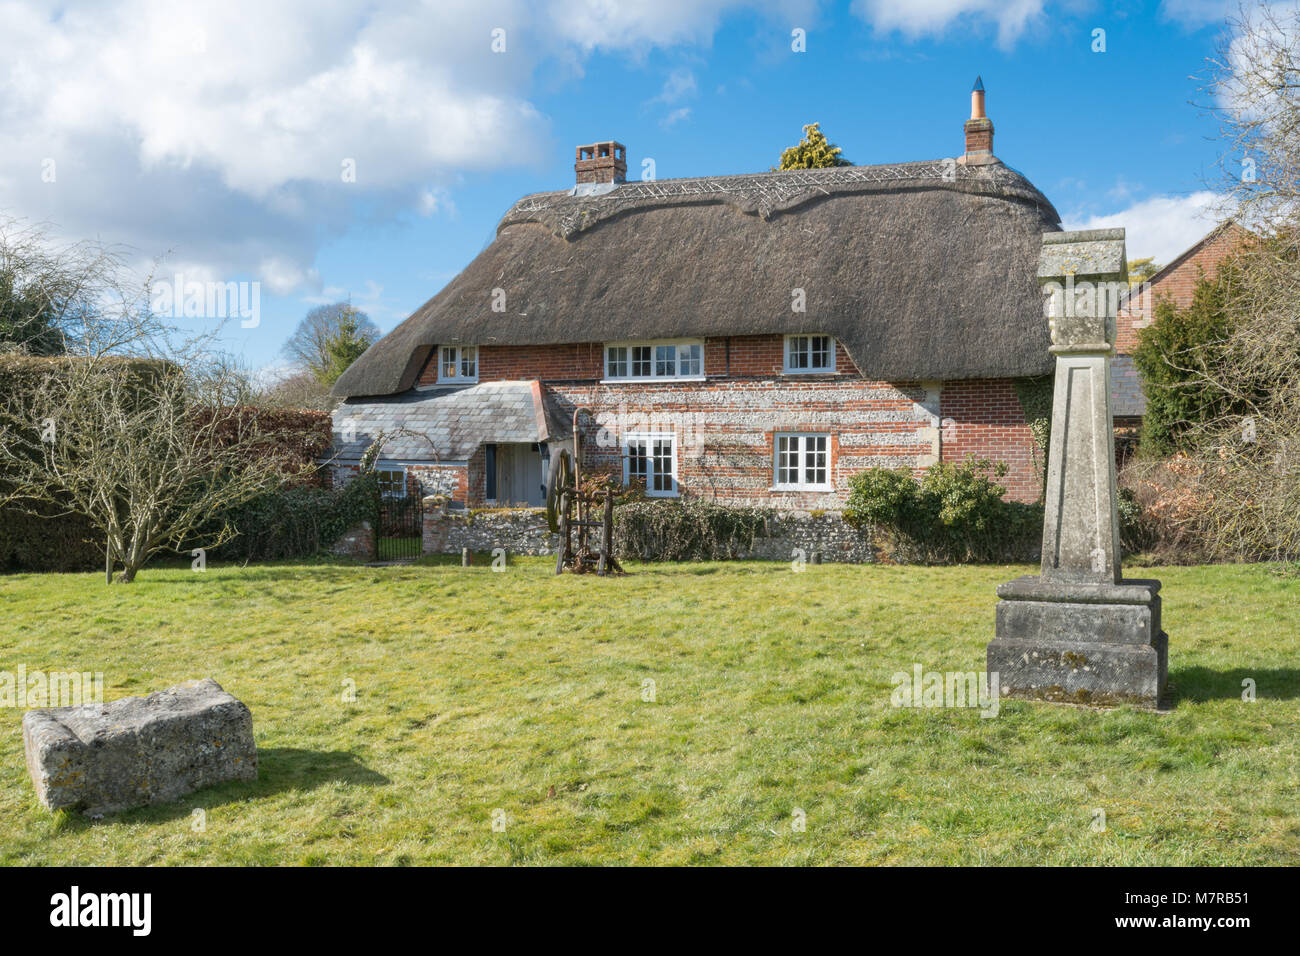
[1245, 467]
[140, 427]
[312, 346]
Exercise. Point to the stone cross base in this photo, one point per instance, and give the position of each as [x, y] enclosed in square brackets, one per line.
[1080, 643]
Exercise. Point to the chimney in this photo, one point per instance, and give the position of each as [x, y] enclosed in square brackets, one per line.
[601, 163]
[979, 130]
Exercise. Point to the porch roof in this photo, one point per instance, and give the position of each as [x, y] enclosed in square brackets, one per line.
[441, 424]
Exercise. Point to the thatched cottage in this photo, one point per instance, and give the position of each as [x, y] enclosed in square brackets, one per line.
[752, 339]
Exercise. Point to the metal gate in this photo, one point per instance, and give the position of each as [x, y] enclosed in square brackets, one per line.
[401, 528]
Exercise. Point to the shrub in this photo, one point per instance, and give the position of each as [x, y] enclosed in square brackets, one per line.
[299, 521]
[690, 530]
[1182, 356]
[956, 513]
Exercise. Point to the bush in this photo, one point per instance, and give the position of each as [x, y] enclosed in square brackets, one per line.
[659, 530]
[955, 514]
[299, 521]
[1180, 356]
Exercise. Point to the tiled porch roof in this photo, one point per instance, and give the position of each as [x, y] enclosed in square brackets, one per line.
[441, 424]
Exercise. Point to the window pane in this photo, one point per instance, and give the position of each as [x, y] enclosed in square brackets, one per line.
[469, 362]
[665, 360]
[641, 360]
[448, 362]
[787, 460]
[799, 351]
[663, 464]
[821, 351]
[815, 460]
[618, 362]
[636, 459]
[689, 360]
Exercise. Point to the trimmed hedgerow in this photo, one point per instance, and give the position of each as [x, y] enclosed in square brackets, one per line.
[686, 530]
[954, 514]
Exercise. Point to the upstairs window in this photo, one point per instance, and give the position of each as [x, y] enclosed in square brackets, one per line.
[459, 363]
[654, 360]
[809, 353]
[802, 462]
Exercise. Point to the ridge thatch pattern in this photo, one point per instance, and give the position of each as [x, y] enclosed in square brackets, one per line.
[924, 271]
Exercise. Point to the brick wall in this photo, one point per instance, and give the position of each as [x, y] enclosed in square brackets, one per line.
[983, 419]
[725, 426]
[1176, 283]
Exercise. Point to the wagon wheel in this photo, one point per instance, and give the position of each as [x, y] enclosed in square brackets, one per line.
[559, 478]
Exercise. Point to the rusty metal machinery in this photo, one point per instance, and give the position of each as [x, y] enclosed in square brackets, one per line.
[571, 514]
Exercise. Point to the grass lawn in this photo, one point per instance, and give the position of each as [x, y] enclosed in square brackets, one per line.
[479, 692]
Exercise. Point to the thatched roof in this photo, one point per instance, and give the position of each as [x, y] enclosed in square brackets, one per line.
[922, 270]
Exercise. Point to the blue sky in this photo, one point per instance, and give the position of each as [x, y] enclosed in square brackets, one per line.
[216, 134]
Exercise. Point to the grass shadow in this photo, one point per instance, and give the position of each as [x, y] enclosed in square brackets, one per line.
[279, 770]
[1198, 685]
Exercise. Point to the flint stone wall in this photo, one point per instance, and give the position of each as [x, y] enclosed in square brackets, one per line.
[523, 531]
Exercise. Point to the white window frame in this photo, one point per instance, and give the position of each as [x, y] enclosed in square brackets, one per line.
[802, 468]
[400, 469]
[649, 438]
[789, 369]
[458, 362]
[654, 346]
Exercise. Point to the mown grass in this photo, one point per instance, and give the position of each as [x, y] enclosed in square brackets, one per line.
[523, 693]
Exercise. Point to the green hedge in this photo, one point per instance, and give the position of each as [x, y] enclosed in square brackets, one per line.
[50, 542]
[685, 530]
[299, 522]
[954, 514]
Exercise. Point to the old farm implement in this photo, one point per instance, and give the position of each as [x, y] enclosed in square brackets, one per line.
[584, 520]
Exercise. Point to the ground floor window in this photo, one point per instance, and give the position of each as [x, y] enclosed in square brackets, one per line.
[802, 462]
[652, 459]
[392, 482]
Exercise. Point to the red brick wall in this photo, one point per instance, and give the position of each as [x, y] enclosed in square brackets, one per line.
[984, 419]
[1176, 284]
[725, 426]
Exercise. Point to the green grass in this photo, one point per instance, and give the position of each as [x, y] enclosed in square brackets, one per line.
[480, 691]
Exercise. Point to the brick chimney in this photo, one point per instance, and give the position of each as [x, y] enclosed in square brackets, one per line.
[979, 130]
[601, 163]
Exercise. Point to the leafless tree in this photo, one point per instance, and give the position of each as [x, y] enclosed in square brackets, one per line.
[1245, 473]
[140, 427]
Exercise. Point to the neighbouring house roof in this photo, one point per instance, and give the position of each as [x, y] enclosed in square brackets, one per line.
[1127, 400]
[441, 424]
[923, 271]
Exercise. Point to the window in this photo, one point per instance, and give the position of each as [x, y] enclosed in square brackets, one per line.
[802, 462]
[654, 360]
[652, 459]
[809, 353]
[459, 364]
[392, 482]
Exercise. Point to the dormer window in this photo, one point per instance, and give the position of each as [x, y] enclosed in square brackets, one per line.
[458, 363]
[806, 354]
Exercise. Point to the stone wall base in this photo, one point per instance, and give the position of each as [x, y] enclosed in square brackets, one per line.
[791, 535]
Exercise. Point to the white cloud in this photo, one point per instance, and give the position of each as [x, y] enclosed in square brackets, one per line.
[1163, 226]
[226, 133]
[927, 17]
[1198, 13]
[237, 134]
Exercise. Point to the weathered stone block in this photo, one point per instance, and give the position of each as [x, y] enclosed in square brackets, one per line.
[1080, 672]
[136, 751]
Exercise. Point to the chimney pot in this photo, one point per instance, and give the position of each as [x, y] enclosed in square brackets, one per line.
[979, 130]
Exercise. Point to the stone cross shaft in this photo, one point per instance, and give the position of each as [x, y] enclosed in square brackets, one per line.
[1084, 273]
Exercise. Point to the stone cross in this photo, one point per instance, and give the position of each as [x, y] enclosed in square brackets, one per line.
[1078, 632]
